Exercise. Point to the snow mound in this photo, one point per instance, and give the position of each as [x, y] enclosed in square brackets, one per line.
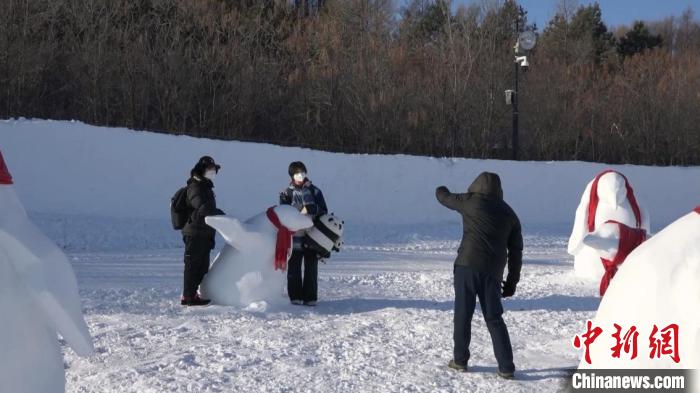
[656, 286]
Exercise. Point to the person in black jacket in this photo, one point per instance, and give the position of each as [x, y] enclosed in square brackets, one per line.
[492, 237]
[308, 199]
[197, 235]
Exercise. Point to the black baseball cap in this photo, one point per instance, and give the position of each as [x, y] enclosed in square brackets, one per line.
[206, 162]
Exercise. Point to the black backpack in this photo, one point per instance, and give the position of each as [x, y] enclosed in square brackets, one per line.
[179, 210]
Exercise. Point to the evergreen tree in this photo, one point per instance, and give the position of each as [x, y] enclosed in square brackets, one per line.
[638, 40]
[587, 24]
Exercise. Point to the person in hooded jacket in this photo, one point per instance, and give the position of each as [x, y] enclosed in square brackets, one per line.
[196, 234]
[491, 239]
[308, 199]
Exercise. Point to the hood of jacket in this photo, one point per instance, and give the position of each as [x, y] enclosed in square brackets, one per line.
[488, 184]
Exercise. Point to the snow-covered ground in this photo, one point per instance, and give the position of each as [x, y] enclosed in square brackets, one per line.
[383, 324]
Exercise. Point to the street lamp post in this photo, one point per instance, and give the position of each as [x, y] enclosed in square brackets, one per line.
[515, 93]
[526, 41]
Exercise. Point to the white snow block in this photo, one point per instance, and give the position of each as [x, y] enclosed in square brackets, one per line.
[659, 284]
[244, 271]
[613, 204]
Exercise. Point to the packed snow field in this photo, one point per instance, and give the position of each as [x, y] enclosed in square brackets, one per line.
[383, 324]
[384, 318]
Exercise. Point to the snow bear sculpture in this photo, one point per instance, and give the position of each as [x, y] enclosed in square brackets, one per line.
[245, 271]
[38, 298]
[608, 197]
[657, 286]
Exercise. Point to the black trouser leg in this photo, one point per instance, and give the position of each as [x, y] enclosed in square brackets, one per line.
[491, 307]
[310, 276]
[204, 266]
[465, 302]
[294, 283]
[203, 270]
[197, 250]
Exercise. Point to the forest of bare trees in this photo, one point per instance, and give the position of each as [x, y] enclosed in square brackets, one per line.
[360, 75]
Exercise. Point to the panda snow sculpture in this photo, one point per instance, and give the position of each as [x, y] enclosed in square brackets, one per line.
[326, 235]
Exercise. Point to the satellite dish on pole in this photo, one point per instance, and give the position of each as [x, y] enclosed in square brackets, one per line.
[527, 40]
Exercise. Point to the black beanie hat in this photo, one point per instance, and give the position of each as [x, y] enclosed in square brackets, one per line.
[296, 167]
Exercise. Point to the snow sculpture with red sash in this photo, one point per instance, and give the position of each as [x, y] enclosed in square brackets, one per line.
[251, 266]
[609, 224]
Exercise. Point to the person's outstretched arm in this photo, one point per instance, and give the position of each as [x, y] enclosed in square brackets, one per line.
[448, 199]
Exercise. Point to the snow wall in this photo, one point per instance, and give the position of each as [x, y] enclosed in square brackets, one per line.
[100, 188]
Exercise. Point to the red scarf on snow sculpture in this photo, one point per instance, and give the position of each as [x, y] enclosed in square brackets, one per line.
[697, 210]
[630, 238]
[5, 177]
[284, 240]
[593, 201]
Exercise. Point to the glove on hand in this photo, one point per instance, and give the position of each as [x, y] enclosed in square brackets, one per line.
[284, 198]
[508, 289]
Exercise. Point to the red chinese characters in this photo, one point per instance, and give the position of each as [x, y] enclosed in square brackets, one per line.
[589, 337]
[662, 342]
[667, 344]
[627, 343]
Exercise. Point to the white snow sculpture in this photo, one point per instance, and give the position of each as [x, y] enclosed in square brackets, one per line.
[613, 242]
[608, 197]
[245, 271]
[38, 298]
[658, 285]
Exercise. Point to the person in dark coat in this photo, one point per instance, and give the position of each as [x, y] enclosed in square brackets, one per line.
[308, 199]
[492, 238]
[197, 235]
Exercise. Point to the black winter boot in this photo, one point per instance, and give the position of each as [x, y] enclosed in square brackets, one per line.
[194, 301]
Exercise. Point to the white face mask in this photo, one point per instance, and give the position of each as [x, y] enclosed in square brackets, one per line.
[210, 174]
[299, 177]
